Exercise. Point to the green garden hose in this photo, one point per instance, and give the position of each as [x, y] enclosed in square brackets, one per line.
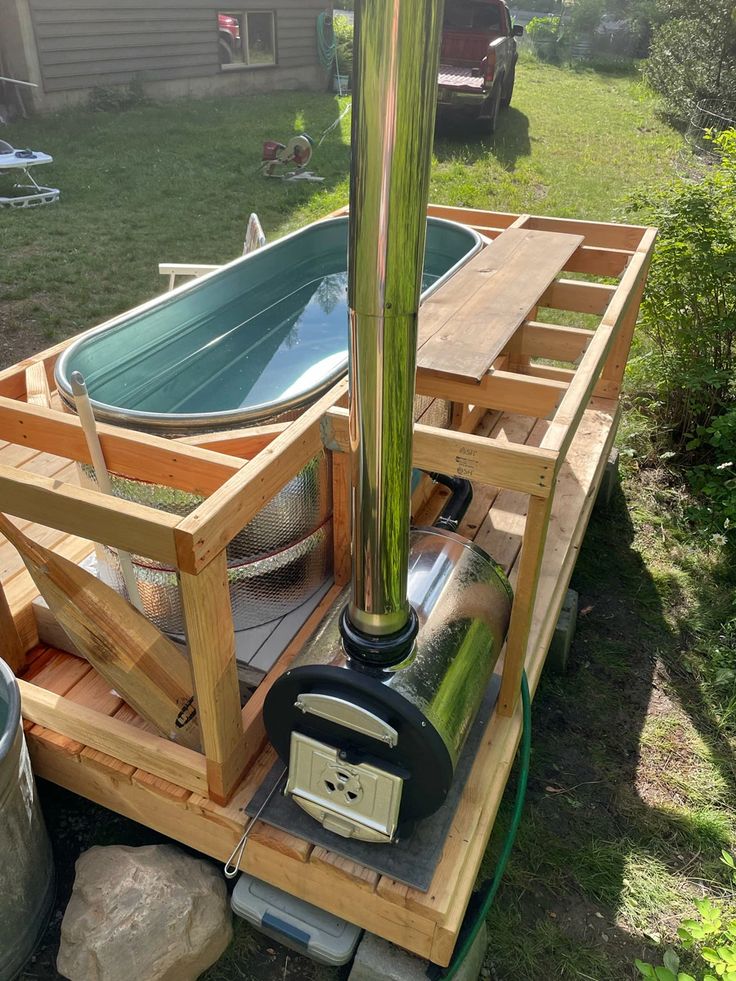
[326, 43]
[486, 894]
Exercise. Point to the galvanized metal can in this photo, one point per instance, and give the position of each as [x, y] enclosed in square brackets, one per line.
[26, 862]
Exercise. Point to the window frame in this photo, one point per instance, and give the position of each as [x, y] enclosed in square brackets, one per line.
[242, 17]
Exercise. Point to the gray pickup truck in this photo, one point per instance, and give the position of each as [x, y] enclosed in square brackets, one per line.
[477, 60]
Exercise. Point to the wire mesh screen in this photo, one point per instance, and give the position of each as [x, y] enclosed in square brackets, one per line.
[708, 118]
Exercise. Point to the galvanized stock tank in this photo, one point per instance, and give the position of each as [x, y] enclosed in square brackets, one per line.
[26, 862]
[254, 342]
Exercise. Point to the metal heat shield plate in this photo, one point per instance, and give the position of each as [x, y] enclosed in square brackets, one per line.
[414, 858]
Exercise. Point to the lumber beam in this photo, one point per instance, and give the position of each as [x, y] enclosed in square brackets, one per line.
[11, 647]
[516, 467]
[210, 635]
[105, 733]
[578, 296]
[89, 514]
[244, 443]
[615, 365]
[38, 391]
[505, 391]
[538, 340]
[525, 592]
[133, 454]
[620, 316]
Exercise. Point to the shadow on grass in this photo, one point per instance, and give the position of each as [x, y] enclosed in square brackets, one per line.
[463, 139]
[610, 832]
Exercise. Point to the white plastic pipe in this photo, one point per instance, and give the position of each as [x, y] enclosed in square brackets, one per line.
[89, 427]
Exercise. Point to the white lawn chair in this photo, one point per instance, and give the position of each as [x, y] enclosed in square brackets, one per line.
[254, 239]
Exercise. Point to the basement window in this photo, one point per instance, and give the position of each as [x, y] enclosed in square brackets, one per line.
[246, 39]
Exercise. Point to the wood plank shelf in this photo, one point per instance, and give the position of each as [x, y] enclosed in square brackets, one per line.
[532, 436]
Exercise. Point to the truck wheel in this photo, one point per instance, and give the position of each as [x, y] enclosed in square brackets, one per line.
[491, 120]
[509, 89]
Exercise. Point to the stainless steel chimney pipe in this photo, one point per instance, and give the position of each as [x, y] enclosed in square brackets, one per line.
[394, 102]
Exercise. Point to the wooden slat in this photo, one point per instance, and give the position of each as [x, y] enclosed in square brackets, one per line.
[578, 296]
[551, 341]
[599, 261]
[504, 391]
[522, 468]
[344, 867]
[466, 324]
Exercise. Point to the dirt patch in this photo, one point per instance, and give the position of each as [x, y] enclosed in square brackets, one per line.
[22, 333]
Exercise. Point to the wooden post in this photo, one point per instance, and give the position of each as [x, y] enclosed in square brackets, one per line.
[341, 518]
[530, 562]
[615, 366]
[11, 648]
[211, 638]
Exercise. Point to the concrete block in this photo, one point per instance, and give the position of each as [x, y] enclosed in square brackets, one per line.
[562, 638]
[609, 482]
[378, 960]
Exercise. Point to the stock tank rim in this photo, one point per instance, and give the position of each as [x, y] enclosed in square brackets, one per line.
[9, 685]
[185, 423]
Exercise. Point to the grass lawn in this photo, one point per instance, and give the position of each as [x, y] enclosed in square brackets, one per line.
[632, 784]
[176, 182]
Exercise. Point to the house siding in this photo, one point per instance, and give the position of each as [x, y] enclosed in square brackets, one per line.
[86, 43]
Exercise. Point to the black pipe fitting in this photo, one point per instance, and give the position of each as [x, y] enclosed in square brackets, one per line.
[458, 502]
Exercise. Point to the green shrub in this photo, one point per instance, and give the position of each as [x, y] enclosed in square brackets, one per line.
[689, 318]
[344, 40]
[543, 28]
[693, 55]
[544, 33]
[585, 16]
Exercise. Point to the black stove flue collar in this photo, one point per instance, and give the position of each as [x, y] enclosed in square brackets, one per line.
[371, 652]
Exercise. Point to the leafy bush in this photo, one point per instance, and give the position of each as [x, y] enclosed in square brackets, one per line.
[344, 39]
[693, 54]
[543, 28]
[586, 15]
[709, 937]
[689, 318]
[544, 33]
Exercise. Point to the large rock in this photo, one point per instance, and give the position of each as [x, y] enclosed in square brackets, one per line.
[143, 914]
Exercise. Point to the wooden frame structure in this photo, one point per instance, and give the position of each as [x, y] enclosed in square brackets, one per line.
[533, 437]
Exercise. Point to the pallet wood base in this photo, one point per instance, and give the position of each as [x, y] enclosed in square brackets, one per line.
[541, 436]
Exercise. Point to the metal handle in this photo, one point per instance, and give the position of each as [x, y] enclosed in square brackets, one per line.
[232, 865]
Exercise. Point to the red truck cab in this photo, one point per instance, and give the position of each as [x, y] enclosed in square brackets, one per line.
[477, 60]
